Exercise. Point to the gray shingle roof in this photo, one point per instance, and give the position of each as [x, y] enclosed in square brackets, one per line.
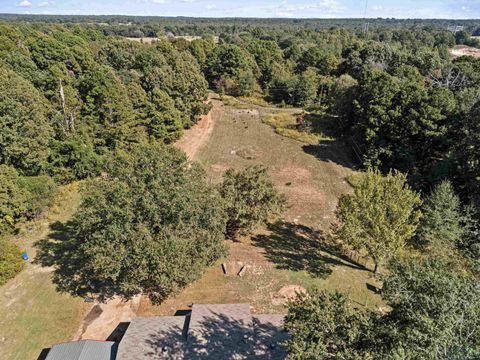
[221, 331]
[160, 337]
[83, 350]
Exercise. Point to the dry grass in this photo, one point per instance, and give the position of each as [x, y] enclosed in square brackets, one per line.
[245, 102]
[33, 315]
[257, 100]
[292, 253]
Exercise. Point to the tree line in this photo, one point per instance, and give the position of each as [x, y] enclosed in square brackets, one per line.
[72, 96]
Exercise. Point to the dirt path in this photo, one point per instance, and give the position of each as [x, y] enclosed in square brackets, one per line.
[193, 139]
[104, 318]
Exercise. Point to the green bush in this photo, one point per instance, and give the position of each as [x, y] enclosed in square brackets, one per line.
[73, 159]
[10, 260]
[22, 197]
[41, 191]
[13, 199]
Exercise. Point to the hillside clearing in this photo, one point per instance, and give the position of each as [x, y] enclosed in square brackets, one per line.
[294, 252]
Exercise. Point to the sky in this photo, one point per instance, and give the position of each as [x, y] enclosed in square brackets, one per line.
[458, 9]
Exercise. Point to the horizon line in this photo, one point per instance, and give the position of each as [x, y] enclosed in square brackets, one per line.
[239, 17]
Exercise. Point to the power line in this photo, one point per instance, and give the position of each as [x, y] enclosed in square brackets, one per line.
[365, 23]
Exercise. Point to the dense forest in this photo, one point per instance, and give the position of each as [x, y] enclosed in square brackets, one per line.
[80, 101]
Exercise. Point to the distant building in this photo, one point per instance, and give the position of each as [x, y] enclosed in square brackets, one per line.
[83, 350]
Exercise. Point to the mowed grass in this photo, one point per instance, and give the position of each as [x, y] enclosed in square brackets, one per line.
[33, 315]
[294, 251]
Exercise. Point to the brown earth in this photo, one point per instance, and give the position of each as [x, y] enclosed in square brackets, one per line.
[465, 51]
[194, 138]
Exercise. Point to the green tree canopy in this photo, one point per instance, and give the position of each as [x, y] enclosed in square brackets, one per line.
[13, 198]
[435, 312]
[24, 122]
[11, 261]
[250, 199]
[150, 226]
[325, 326]
[230, 63]
[380, 215]
[400, 121]
[441, 224]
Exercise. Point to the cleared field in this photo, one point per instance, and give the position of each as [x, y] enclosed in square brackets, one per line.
[150, 40]
[465, 51]
[294, 253]
[33, 315]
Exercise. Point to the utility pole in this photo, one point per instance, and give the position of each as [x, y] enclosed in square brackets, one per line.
[366, 24]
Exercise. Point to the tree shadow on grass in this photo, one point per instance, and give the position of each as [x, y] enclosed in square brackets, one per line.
[218, 337]
[333, 151]
[61, 250]
[300, 248]
[336, 149]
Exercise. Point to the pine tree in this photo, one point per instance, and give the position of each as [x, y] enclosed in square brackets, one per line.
[440, 226]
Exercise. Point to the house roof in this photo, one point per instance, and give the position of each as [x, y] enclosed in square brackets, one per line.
[221, 331]
[160, 337]
[83, 350]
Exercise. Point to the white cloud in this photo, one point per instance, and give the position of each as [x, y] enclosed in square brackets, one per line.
[328, 7]
[325, 6]
[283, 14]
[211, 6]
[25, 3]
[159, 1]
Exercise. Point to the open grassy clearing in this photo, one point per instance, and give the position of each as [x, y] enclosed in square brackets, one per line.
[293, 253]
[33, 315]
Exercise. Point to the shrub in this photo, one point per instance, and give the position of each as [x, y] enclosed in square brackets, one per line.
[41, 191]
[10, 260]
[13, 198]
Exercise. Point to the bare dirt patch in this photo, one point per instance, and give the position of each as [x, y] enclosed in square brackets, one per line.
[292, 173]
[252, 112]
[287, 293]
[219, 168]
[103, 318]
[248, 152]
[193, 139]
[465, 51]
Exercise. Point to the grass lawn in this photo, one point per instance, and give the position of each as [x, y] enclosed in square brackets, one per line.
[33, 315]
[294, 252]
